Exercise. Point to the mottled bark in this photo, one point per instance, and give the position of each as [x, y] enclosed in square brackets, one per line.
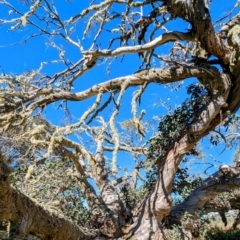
[158, 204]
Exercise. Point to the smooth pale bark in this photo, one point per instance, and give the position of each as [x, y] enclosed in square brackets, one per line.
[154, 75]
[158, 204]
[167, 37]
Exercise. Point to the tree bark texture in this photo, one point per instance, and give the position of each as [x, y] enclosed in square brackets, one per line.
[146, 221]
[29, 216]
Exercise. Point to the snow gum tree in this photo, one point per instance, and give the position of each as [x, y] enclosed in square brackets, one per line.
[61, 177]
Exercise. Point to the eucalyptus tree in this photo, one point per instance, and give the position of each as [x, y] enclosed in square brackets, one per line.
[72, 166]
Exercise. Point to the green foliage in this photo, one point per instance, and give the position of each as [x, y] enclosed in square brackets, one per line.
[170, 128]
[151, 175]
[132, 196]
[172, 125]
[214, 234]
[53, 185]
[194, 152]
[184, 184]
[174, 232]
[231, 124]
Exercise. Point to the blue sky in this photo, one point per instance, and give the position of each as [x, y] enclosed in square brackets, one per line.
[23, 57]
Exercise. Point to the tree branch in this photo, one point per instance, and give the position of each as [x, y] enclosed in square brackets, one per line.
[158, 75]
[223, 32]
[197, 13]
[164, 38]
[221, 181]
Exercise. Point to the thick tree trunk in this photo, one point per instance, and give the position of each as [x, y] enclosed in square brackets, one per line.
[32, 218]
[158, 204]
[29, 217]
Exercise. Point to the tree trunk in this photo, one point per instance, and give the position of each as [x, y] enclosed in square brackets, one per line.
[31, 218]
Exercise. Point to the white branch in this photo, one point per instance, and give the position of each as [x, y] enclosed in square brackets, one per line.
[167, 37]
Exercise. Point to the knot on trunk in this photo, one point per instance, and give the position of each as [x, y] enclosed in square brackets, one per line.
[161, 207]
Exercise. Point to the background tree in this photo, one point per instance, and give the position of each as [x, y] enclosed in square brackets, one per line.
[72, 185]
